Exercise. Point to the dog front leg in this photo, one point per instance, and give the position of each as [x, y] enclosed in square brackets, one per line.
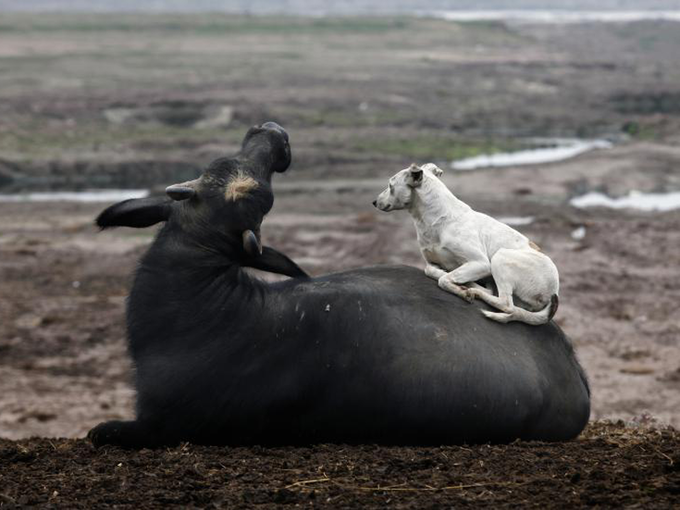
[476, 287]
[434, 272]
[448, 285]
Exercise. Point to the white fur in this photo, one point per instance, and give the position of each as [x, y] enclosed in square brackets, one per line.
[462, 246]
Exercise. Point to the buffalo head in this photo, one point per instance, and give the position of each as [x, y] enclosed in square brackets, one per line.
[225, 205]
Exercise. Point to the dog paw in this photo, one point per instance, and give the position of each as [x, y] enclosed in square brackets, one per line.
[498, 317]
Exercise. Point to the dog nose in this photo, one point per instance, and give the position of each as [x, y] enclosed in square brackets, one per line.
[375, 203]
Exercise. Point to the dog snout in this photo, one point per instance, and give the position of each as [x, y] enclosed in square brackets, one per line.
[375, 203]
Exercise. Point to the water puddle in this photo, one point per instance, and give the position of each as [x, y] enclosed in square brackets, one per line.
[559, 17]
[517, 221]
[559, 150]
[579, 233]
[634, 200]
[94, 195]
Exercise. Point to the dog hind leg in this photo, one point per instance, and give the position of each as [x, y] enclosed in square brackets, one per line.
[512, 312]
[470, 272]
[522, 315]
[498, 317]
[509, 268]
[503, 301]
[476, 286]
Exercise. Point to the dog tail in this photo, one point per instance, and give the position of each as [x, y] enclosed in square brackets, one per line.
[554, 304]
[520, 314]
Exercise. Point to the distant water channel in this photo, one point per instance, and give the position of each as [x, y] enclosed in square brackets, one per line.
[561, 149]
[93, 195]
[549, 150]
[558, 16]
[634, 200]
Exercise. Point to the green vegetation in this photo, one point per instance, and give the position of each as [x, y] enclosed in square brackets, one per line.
[376, 87]
[432, 147]
[200, 23]
[89, 137]
[639, 131]
[346, 117]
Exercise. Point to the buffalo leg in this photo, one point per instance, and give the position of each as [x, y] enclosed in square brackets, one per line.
[126, 434]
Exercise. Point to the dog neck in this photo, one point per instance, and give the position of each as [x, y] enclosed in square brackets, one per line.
[433, 203]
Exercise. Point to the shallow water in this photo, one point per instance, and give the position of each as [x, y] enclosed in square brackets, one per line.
[517, 221]
[558, 16]
[634, 200]
[563, 148]
[94, 195]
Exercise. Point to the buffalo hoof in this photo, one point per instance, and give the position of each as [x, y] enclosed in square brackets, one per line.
[125, 434]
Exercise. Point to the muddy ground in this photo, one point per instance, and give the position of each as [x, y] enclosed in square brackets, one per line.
[64, 366]
[610, 466]
[90, 102]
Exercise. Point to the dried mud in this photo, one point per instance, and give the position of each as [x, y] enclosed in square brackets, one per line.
[609, 466]
[358, 109]
[63, 364]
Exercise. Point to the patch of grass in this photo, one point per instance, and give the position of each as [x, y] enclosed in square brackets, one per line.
[432, 148]
[337, 118]
[639, 131]
[480, 24]
[349, 117]
[34, 141]
[200, 23]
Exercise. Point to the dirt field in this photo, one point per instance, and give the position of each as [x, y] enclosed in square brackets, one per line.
[144, 102]
[609, 466]
[64, 366]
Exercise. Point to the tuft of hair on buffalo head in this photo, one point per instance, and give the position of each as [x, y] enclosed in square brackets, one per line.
[228, 201]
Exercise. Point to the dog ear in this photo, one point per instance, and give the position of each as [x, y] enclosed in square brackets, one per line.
[415, 176]
[136, 213]
[436, 171]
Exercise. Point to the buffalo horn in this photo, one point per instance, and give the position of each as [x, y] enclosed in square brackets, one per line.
[251, 243]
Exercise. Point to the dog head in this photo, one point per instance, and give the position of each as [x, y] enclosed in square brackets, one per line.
[402, 186]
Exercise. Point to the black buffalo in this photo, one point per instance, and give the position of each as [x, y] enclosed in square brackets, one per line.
[377, 355]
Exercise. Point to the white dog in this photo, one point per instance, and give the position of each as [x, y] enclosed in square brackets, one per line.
[462, 246]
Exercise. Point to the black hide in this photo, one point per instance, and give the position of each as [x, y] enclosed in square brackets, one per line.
[374, 355]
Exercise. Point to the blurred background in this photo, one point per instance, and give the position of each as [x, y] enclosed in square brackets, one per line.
[561, 118]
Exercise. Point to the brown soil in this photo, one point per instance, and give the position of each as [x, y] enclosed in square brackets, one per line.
[63, 365]
[609, 466]
[346, 95]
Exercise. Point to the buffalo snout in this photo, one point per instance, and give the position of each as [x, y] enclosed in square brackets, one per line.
[276, 127]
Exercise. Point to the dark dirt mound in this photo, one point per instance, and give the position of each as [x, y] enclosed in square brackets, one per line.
[611, 465]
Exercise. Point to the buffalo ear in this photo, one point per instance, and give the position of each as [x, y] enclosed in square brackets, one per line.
[136, 213]
[182, 191]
